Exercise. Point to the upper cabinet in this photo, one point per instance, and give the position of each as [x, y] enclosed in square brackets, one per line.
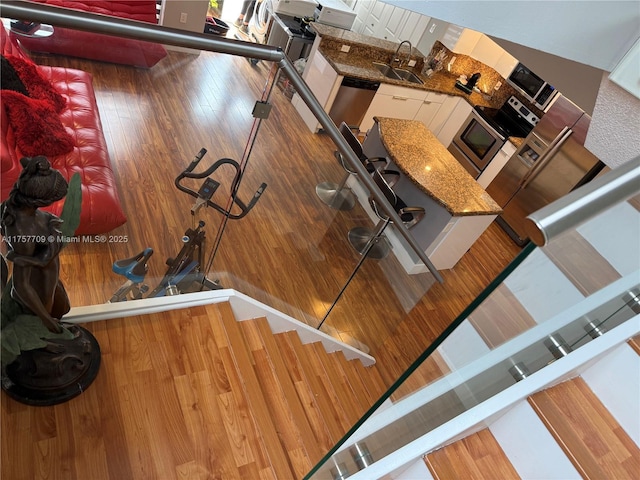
[480, 47]
[381, 20]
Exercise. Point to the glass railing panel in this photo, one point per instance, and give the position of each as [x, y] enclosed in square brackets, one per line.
[547, 307]
[290, 251]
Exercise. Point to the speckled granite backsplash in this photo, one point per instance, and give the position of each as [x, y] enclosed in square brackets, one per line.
[465, 65]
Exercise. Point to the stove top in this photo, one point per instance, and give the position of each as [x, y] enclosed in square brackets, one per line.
[489, 115]
[513, 119]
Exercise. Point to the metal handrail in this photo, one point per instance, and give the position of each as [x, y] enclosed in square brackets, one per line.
[584, 203]
[92, 22]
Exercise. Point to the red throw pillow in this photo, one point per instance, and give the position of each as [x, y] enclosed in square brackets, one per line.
[37, 127]
[37, 86]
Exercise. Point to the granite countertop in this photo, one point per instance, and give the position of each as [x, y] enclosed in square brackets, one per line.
[358, 63]
[421, 156]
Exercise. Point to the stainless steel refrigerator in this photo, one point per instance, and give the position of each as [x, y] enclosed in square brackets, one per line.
[551, 162]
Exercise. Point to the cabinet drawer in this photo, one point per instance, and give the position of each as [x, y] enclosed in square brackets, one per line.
[434, 97]
[401, 92]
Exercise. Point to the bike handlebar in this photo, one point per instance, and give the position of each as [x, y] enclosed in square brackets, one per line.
[188, 173]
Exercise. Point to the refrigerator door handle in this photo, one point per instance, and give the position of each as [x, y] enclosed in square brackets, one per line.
[554, 146]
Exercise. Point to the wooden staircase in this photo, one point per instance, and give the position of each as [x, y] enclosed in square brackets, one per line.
[193, 393]
[593, 441]
[303, 399]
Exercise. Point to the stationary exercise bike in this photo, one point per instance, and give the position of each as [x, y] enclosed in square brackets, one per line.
[186, 272]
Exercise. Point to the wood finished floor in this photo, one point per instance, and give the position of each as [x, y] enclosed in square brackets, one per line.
[291, 250]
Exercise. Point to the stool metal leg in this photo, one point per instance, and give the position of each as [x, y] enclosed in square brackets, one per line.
[336, 196]
[362, 238]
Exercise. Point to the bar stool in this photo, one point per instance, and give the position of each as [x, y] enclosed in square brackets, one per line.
[335, 195]
[372, 242]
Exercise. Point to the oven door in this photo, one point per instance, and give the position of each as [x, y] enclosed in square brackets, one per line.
[475, 144]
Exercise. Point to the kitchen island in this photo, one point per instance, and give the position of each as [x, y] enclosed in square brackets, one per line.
[339, 54]
[458, 210]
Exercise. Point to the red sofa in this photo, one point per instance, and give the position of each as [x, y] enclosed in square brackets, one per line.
[94, 46]
[80, 122]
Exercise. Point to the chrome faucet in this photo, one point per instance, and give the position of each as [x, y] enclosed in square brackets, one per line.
[395, 57]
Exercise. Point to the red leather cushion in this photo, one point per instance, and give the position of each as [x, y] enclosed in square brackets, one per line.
[101, 209]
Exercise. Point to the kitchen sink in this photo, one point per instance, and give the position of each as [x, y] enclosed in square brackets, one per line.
[407, 75]
[397, 73]
[386, 70]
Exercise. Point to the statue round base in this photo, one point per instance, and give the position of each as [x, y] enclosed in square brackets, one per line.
[56, 373]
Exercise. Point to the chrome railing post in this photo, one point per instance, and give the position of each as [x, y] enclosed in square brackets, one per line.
[584, 203]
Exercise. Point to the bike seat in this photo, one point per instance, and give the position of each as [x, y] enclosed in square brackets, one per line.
[134, 268]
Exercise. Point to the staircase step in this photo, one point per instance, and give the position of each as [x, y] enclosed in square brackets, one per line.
[338, 384]
[328, 403]
[478, 456]
[588, 434]
[635, 343]
[310, 403]
[249, 382]
[579, 260]
[277, 382]
[365, 393]
[371, 378]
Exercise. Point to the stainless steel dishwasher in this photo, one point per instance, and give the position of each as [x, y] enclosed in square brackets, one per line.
[352, 101]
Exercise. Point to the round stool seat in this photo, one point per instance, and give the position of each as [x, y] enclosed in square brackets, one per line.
[359, 237]
[335, 197]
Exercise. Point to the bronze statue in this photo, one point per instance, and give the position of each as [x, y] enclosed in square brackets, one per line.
[41, 366]
[33, 241]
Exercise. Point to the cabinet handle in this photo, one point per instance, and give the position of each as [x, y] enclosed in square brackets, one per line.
[427, 102]
[398, 97]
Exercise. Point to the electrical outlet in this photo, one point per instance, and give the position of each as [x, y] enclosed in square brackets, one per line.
[345, 48]
[498, 85]
[183, 17]
[411, 63]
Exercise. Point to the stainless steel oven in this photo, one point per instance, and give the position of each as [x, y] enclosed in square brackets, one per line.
[476, 143]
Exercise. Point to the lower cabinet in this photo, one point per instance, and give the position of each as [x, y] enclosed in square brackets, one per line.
[494, 167]
[435, 110]
[460, 110]
[395, 102]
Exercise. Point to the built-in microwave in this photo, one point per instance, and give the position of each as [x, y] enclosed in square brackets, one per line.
[535, 89]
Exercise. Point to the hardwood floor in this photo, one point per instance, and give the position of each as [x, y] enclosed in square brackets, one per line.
[291, 250]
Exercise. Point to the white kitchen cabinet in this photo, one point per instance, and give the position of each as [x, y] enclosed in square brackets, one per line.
[382, 20]
[413, 28]
[442, 115]
[374, 19]
[460, 40]
[430, 107]
[362, 9]
[495, 165]
[323, 81]
[487, 51]
[394, 19]
[454, 121]
[394, 101]
[505, 64]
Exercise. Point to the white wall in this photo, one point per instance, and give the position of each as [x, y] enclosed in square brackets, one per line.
[613, 134]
